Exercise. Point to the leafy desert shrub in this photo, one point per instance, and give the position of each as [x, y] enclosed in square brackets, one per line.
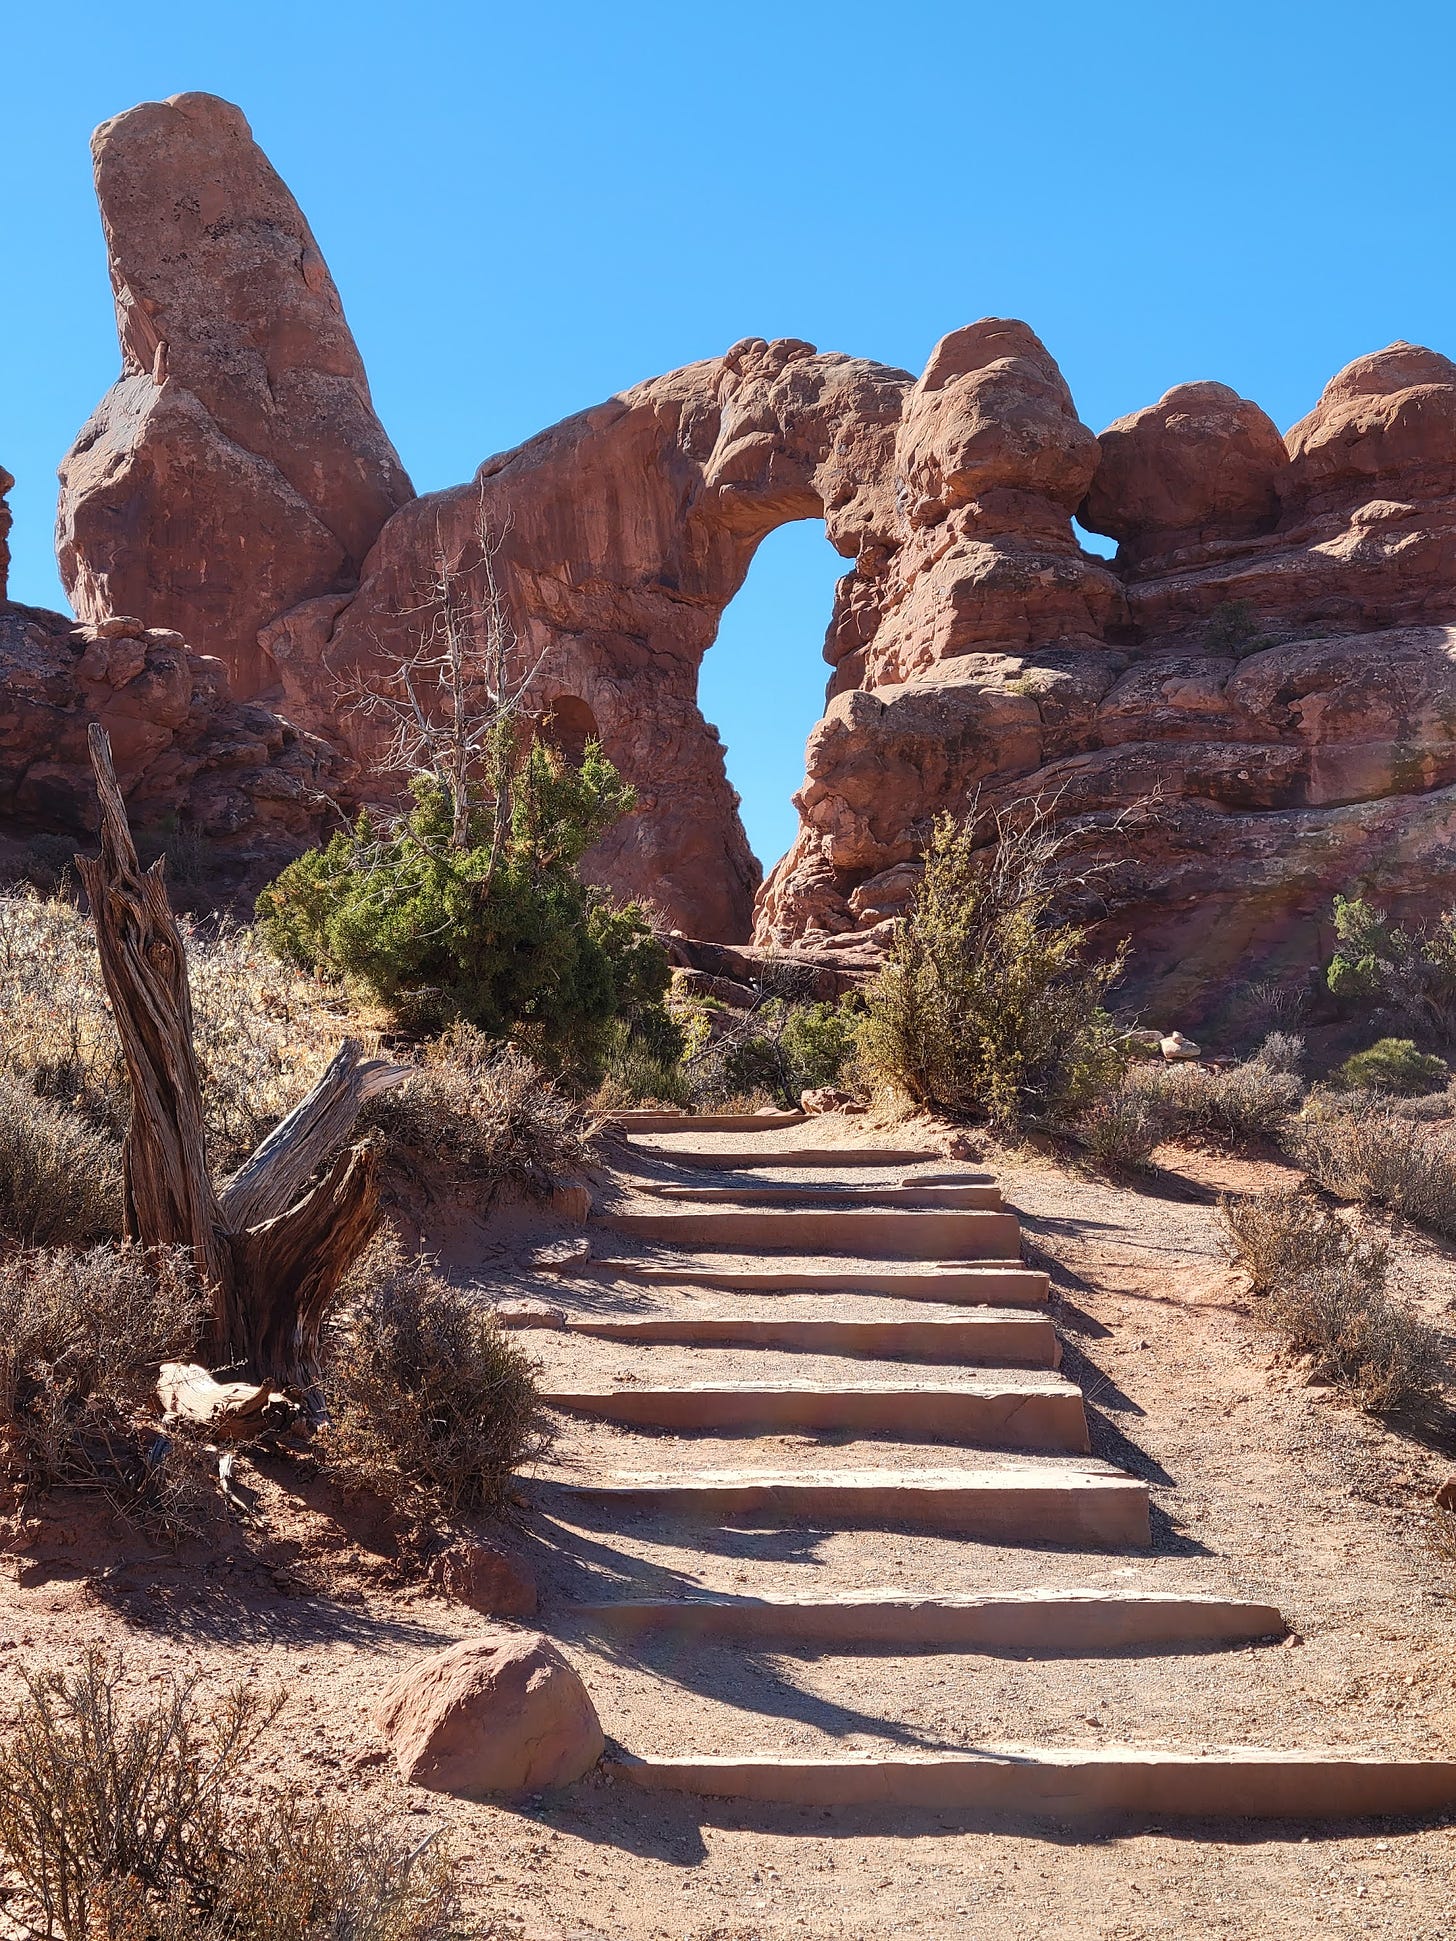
[118, 1821]
[988, 1005]
[1233, 628]
[820, 1042]
[771, 1050]
[1326, 1292]
[60, 1178]
[1378, 1157]
[644, 1061]
[1393, 1065]
[81, 1339]
[489, 923]
[1411, 974]
[482, 1112]
[431, 1407]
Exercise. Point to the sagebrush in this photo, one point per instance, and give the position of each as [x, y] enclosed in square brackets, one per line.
[82, 1336]
[1325, 1289]
[1378, 1156]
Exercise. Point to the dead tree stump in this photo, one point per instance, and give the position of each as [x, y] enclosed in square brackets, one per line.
[270, 1249]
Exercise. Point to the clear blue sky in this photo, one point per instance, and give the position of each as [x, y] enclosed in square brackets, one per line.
[528, 207]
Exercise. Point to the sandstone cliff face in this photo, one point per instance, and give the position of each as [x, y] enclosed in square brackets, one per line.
[237, 465]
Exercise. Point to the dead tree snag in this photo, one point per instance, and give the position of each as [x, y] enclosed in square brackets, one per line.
[271, 1248]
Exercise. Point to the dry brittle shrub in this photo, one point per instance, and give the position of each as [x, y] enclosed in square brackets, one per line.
[60, 1175]
[1123, 1130]
[482, 1111]
[431, 1406]
[1378, 1157]
[81, 1338]
[1243, 1104]
[1326, 1292]
[118, 1821]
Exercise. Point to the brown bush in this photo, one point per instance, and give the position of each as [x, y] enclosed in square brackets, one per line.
[1277, 1236]
[117, 1821]
[60, 1178]
[1326, 1292]
[1122, 1130]
[431, 1407]
[81, 1338]
[483, 1112]
[1379, 1157]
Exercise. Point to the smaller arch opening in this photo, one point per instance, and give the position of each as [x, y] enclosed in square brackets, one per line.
[569, 724]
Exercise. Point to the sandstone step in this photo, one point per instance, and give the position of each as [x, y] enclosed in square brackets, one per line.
[647, 1120]
[1060, 1504]
[994, 1283]
[1025, 1412]
[1071, 1784]
[1064, 1623]
[991, 1340]
[900, 1233]
[964, 1194]
[736, 1158]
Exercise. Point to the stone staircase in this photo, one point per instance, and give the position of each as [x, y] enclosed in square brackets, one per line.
[716, 1215]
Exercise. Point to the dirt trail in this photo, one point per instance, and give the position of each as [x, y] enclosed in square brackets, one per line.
[1260, 1489]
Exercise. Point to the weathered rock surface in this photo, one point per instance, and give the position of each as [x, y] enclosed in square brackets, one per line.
[237, 466]
[1264, 678]
[485, 1578]
[501, 1713]
[251, 789]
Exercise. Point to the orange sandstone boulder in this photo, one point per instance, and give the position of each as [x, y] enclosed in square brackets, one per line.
[501, 1713]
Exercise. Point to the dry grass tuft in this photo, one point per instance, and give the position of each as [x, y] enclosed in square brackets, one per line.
[117, 1821]
[60, 1178]
[431, 1407]
[483, 1112]
[1325, 1290]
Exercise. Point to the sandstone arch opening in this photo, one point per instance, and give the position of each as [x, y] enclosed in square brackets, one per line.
[762, 682]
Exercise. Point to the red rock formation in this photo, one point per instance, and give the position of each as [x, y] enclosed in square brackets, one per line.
[237, 466]
[190, 758]
[1266, 698]
[623, 533]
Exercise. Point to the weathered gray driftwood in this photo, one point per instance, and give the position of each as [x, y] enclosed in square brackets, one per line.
[270, 1261]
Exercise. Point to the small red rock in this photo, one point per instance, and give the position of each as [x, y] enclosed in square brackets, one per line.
[486, 1579]
[1446, 1495]
[502, 1713]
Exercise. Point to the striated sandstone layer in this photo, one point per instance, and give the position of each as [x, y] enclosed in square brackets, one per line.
[237, 465]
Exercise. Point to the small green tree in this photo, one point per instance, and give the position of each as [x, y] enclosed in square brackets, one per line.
[1410, 973]
[988, 1005]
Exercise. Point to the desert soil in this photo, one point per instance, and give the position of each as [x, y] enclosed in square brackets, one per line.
[1264, 1486]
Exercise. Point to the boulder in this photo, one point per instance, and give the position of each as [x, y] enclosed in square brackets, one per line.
[529, 1314]
[241, 432]
[500, 1713]
[1175, 1047]
[485, 1578]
